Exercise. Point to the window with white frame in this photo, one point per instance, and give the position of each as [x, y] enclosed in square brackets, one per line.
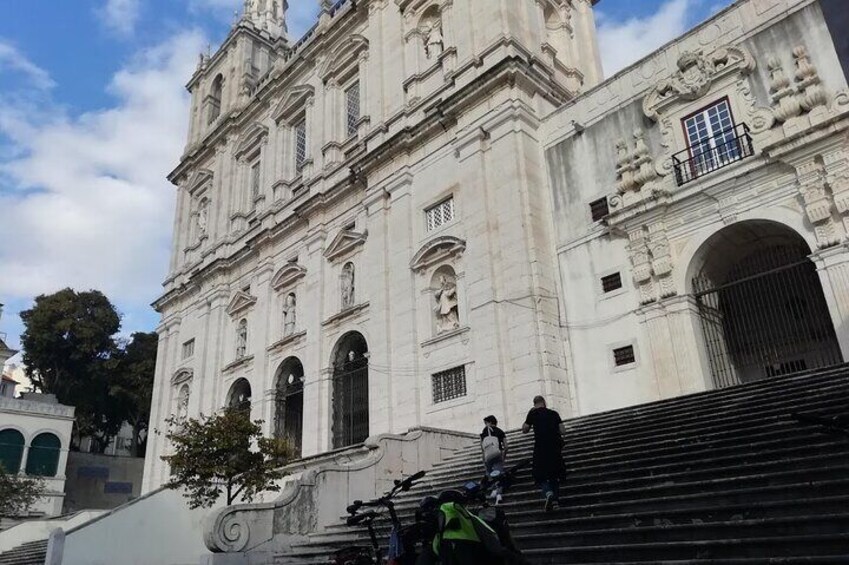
[188, 349]
[448, 385]
[711, 138]
[300, 131]
[440, 214]
[352, 108]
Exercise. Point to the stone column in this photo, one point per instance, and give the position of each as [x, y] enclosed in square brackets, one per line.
[833, 268]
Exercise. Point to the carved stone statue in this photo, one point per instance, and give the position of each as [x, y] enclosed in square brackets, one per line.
[203, 217]
[183, 403]
[289, 316]
[242, 339]
[347, 286]
[434, 42]
[447, 312]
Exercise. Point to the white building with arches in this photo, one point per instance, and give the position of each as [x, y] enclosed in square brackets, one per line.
[427, 211]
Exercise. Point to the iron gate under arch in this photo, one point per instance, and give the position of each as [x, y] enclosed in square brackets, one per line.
[767, 317]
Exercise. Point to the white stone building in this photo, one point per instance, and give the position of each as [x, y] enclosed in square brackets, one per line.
[421, 213]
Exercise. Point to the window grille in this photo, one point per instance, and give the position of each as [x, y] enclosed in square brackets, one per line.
[188, 349]
[300, 145]
[352, 108]
[611, 282]
[599, 209]
[448, 385]
[624, 356]
[440, 214]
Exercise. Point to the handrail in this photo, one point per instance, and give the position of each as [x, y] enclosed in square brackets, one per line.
[712, 154]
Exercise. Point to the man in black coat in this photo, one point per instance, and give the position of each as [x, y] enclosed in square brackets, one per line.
[548, 447]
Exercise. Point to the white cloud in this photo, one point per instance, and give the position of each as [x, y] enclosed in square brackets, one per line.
[120, 16]
[85, 201]
[625, 42]
[13, 60]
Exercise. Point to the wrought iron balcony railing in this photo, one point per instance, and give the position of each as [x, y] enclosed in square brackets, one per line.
[712, 154]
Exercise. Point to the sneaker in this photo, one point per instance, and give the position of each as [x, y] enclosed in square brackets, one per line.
[549, 502]
[498, 500]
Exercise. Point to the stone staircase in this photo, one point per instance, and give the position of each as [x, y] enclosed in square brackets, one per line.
[32, 553]
[723, 477]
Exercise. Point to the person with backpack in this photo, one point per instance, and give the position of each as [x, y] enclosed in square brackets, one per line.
[494, 448]
[548, 450]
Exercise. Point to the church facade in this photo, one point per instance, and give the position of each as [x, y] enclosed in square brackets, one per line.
[427, 211]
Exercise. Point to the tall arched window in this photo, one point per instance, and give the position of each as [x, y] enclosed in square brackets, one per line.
[43, 459]
[240, 395]
[11, 450]
[215, 94]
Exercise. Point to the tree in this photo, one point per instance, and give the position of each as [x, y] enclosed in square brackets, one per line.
[214, 456]
[69, 350]
[17, 493]
[133, 385]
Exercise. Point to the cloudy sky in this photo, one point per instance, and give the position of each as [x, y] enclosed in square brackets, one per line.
[92, 118]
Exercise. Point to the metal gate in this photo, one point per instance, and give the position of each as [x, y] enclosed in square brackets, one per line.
[290, 414]
[768, 317]
[350, 402]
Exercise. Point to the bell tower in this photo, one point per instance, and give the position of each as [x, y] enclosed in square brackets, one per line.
[268, 16]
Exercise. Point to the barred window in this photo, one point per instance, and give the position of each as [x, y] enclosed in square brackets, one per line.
[611, 282]
[188, 349]
[599, 209]
[440, 214]
[624, 356]
[448, 385]
[300, 145]
[352, 108]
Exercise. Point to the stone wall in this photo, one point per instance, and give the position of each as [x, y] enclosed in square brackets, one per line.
[101, 481]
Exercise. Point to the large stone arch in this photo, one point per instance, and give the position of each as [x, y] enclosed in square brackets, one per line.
[350, 390]
[289, 402]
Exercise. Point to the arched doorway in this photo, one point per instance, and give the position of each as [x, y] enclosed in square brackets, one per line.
[289, 403]
[763, 311]
[43, 459]
[350, 391]
[11, 450]
[239, 396]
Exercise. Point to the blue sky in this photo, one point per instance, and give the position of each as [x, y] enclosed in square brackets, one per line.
[92, 118]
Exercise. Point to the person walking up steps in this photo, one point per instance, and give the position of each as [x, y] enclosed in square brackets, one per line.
[548, 447]
[494, 447]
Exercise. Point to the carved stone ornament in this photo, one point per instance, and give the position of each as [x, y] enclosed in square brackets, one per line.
[437, 251]
[697, 72]
[181, 376]
[819, 203]
[287, 276]
[252, 138]
[240, 302]
[293, 103]
[447, 306]
[635, 169]
[345, 242]
[198, 180]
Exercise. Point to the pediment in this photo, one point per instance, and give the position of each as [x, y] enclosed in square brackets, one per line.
[412, 7]
[343, 56]
[182, 376]
[436, 251]
[697, 73]
[292, 103]
[344, 243]
[198, 179]
[251, 139]
[287, 276]
[240, 302]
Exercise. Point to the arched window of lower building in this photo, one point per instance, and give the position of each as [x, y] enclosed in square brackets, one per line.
[11, 450]
[43, 458]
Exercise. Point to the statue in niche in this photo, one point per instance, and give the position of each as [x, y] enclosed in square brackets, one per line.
[348, 286]
[447, 312]
[289, 316]
[434, 42]
[203, 217]
[183, 403]
[242, 339]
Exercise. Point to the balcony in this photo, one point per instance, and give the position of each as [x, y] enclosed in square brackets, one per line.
[712, 154]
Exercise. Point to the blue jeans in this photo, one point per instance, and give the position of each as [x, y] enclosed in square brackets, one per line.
[496, 464]
[550, 487]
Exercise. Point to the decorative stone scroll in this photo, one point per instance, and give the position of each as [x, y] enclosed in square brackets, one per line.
[801, 95]
[819, 203]
[635, 169]
[651, 259]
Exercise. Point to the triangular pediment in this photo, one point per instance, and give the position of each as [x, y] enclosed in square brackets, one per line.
[343, 56]
[198, 179]
[240, 302]
[293, 103]
[251, 139]
[288, 275]
[436, 251]
[344, 243]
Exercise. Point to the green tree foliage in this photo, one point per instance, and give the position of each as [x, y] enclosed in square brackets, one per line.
[224, 454]
[133, 385]
[71, 350]
[18, 493]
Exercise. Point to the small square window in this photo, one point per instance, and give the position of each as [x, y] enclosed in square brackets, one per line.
[599, 209]
[440, 214]
[624, 356]
[611, 282]
[448, 385]
[188, 349]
